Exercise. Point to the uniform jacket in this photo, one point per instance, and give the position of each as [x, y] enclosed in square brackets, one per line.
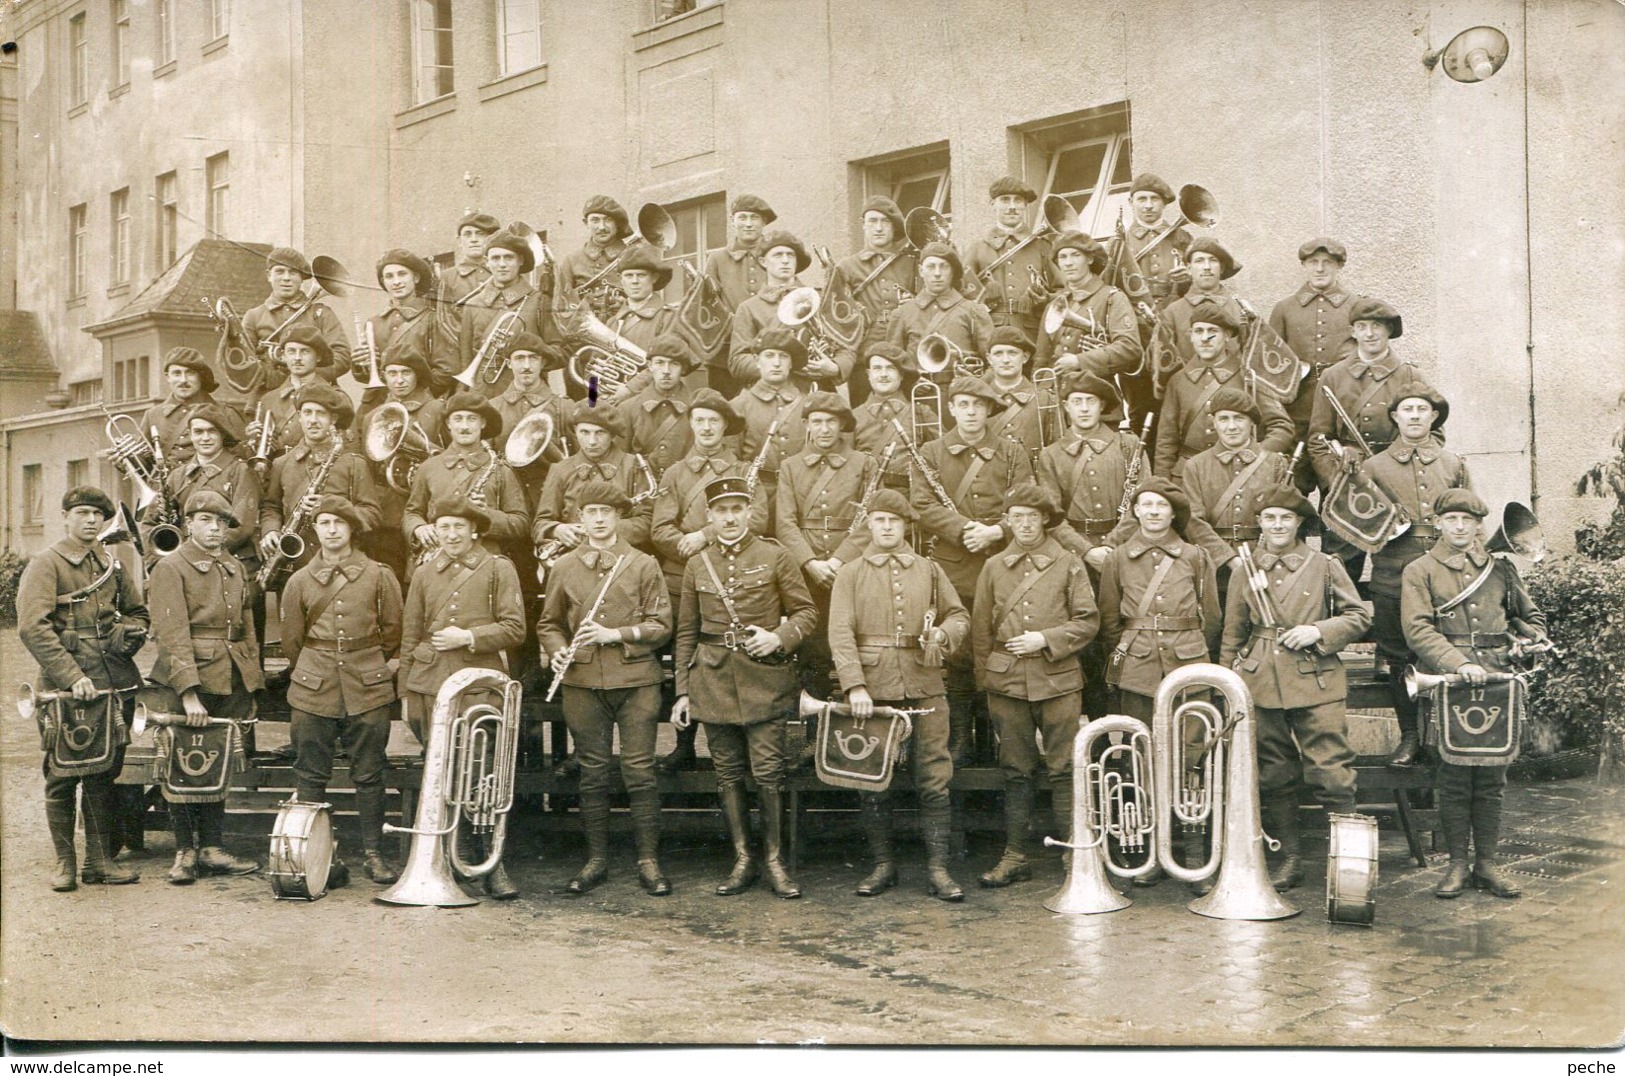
[557, 503]
[478, 591]
[1113, 347]
[659, 426]
[874, 430]
[290, 477]
[1476, 632]
[202, 622]
[1044, 589]
[481, 311]
[1176, 318]
[641, 324]
[1365, 390]
[1185, 426]
[737, 271]
[1156, 261]
[680, 507]
[270, 322]
[1085, 474]
[1142, 656]
[818, 497]
[456, 285]
[1315, 325]
[884, 294]
[573, 271]
[172, 419]
[414, 322]
[1005, 290]
[71, 640]
[965, 322]
[726, 686]
[1002, 469]
[1308, 588]
[1018, 422]
[1209, 474]
[279, 410]
[1414, 478]
[875, 641]
[759, 405]
[339, 659]
[454, 471]
[227, 475]
[757, 313]
[637, 602]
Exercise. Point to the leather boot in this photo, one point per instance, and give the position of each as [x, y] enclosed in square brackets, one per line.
[646, 827]
[379, 869]
[1456, 821]
[736, 814]
[1282, 819]
[498, 886]
[184, 872]
[99, 869]
[1409, 752]
[778, 877]
[59, 819]
[1061, 807]
[877, 826]
[683, 756]
[216, 860]
[1455, 881]
[961, 717]
[1195, 854]
[935, 825]
[1486, 816]
[595, 820]
[1018, 809]
[338, 871]
[1486, 875]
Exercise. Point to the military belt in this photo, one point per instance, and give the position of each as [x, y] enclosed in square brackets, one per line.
[1477, 640]
[1094, 527]
[830, 523]
[1238, 534]
[1160, 288]
[897, 641]
[346, 646]
[1161, 623]
[233, 634]
[728, 639]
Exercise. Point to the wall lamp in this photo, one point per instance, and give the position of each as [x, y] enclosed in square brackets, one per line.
[1472, 55]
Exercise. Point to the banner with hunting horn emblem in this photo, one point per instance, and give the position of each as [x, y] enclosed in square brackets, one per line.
[194, 765]
[1272, 361]
[703, 319]
[840, 318]
[1123, 271]
[1476, 726]
[1358, 511]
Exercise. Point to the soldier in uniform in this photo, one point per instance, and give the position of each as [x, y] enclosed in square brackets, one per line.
[463, 611]
[288, 307]
[892, 374]
[191, 386]
[1287, 656]
[1010, 265]
[891, 653]
[743, 610]
[784, 257]
[406, 381]
[1210, 265]
[468, 468]
[606, 617]
[467, 273]
[975, 469]
[607, 230]
[212, 432]
[1099, 334]
[341, 629]
[1159, 251]
[645, 315]
[82, 618]
[941, 308]
[1019, 423]
[772, 407]
[1185, 425]
[209, 656]
[507, 290]
[1314, 322]
[599, 457]
[1461, 607]
[529, 358]
[1222, 482]
[411, 322]
[302, 353]
[1414, 471]
[879, 278]
[656, 417]
[1034, 612]
[737, 268]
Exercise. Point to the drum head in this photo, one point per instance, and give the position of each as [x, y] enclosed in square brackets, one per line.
[301, 851]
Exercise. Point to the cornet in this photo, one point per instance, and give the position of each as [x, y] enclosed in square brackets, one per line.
[491, 360]
[364, 337]
[133, 454]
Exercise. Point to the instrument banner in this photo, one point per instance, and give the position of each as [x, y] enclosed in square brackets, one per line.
[704, 320]
[840, 317]
[1123, 272]
[1272, 361]
[195, 765]
[1476, 726]
[82, 739]
[859, 754]
[1358, 511]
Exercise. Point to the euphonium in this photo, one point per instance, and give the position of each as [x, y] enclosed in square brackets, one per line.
[609, 356]
[531, 438]
[1107, 803]
[392, 438]
[491, 359]
[468, 772]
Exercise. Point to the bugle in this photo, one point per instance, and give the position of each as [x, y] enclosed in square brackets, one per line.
[145, 716]
[811, 706]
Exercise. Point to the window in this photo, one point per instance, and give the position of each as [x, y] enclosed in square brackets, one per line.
[218, 171]
[519, 35]
[164, 21]
[33, 494]
[219, 19]
[78, 473]
[86, 392]
[78, 62]
[130, 379]
[913, 179]
[1084, 158]
[118, 270]
[702, 229]
[78, 238]
[167, 228]
[431, 49]
[670, 9]
[121, 41]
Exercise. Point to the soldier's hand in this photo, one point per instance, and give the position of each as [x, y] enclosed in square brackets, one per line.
[1065, 362]
[680, 717]
[1301, 637]
[821, 572]
[819, 367]
[1180, 274]
[1097, 557]
[425, 535]
[1038, 294]
[569, 535]
[1474, 674]
[83, 689]
[1027, 644]
[252, 433]
[197, 715]
[759, 642]
[594, 634]
[691, 544]
[310, 501]
[559, 662]
[451, 639]
[862, 703]
[980, 536]
[268, 543]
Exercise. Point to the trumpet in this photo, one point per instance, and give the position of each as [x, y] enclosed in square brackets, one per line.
[133, 454]
[367, 374]
[392, 438]
[262, 445]
[491, 360]
[936, 353]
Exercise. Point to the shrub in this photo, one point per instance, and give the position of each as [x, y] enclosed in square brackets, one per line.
[11, 572]
[1576, 698]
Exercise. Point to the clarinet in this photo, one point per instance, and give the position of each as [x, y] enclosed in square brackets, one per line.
[290, 547]
[761, 456]
[926, 472]
[1136, 463]
[871, 489]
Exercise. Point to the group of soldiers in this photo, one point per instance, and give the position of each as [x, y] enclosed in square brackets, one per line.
[936, 504]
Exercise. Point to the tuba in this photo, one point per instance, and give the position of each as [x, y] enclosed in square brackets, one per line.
[468, 772]
[531, 438]
[393, 438]
[936, 353]
[1113, 799]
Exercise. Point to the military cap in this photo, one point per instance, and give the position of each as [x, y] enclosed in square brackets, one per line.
[469, 400]
[1377, 310]
[227, 422]
[1289, 498]
[1010, 336]
[509, 241]
[207, 500]
[406, 259]
[408, 352]
[91, 496]
[644, 257]
[332, 504]
[290, 258]
[673, 346]
[529, 341]
[830, 404]
[311, 337]
[335, 402]
[584, 413]
[1228, 266]
[1335, 250]
[600, 492]
[712, 400]
[1169, 492]
[899, 357]
[484, 223]
[887, 208]
[782, 339]
[1233, 399]
[1092, 251]
[1032, 495]
[947, 253]
[726, 487]
[783, 238]
[1419, 391]
[892, 502]
[1460, 500]
[609, 207]
[1011, 185]
[750, 203]
[1216, 314]
[192, 359]
[1150, 181]
[1092, 385]
[975, 386]
[460, 506]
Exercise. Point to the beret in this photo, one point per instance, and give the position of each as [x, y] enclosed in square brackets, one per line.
[509, 241]
[333, 505]
[783, 238]
[1032, 495]
[335, 402]
[888, 208]
[1228, 266]
[673, 346]
[469, 400]
[1088, 247]
[711, 400]
[1419, 391]
[525, 340]
[1460, 500]
[600, 492]
[947, 253]
[482, 222]
[192, 359]
[207, 500]
[584, 413]
[1090, 384]
[1377, 310]
[609, 207]
[91, 496]
[1338, 252]
[310, 337]
[290, 258]
[892, 502]
[974, 386]
[419, 267]
[750, 203]
[1233, 399]
[458, 505]
[829, 403]
[1289, 498]
[899, 357]
[1010, 336]
[1149, 181]
[644, 257]
[1216, 314]
[1011, 185]
[782, 339]
[1171, 493]
[227, 422]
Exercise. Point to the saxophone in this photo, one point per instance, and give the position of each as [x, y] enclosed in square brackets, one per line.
[423, 551]
[290, 547]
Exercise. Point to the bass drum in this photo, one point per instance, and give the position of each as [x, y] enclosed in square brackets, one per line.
[301, 851]
[1351, 870]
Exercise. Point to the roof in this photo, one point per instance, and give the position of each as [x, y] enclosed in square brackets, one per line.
[209, 270]
[23, 348]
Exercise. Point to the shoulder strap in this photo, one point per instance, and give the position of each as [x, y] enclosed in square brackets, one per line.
[722, 592]
[1471, 588]
[464, 574]
[1239, 483]
[325, 599]
[1157, 577]
[975, 468]
[1021, 591]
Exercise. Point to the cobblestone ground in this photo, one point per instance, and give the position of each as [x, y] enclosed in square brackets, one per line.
[224, 959]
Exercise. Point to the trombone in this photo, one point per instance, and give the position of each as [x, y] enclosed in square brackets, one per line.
[133, 454]
[1050, 423]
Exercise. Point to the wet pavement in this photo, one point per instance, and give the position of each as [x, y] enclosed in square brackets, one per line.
[224, 960]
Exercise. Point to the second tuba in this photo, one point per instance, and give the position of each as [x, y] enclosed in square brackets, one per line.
[395, 441]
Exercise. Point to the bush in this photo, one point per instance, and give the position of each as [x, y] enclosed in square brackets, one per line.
[11, 572]
[1576, 698]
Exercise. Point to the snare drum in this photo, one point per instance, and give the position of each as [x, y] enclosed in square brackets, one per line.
[1351, 870]
[301, 851]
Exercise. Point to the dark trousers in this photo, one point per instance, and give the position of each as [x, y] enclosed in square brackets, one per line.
[198, 825]
[1307, 745]
[759, 749]
[1470, 808]
[933, 765]
[100, 796]
[1019, 721]
[316, 738]
[593, 715]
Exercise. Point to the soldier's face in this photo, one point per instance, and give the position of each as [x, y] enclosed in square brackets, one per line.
[1148, 206]
[526, 367]
[471, 243]
[601, 228]
[205, 438]
[707, 426]
[1206, 340]
[599, 521]
[780, 264]
[1009, 210]
[1459, 529]
[83, 522]
[299, 359]
[401, 381]
[1280, 527]
[503, 265]
[457, 535]
[1320, 269]
[747, 227]
[665, 373]
[886, 530]
[937, 275]
[884, 378]
[333, 532]
[1204, 271]
[284, 282]
[730, 517]
[1026, 525]
[1414, 418]
[1073, 265]
[207, 529]
[399, 281]
[1083, 409]
[1371, 337]
[638, 284]
[183, 381]
[878, 229]
[1234, 428]
[465, 427]
[1154, 512]
[774, 365]
[970, 412]
[315, 422]
[823, 430]
[594, 441]
[1006, 361]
